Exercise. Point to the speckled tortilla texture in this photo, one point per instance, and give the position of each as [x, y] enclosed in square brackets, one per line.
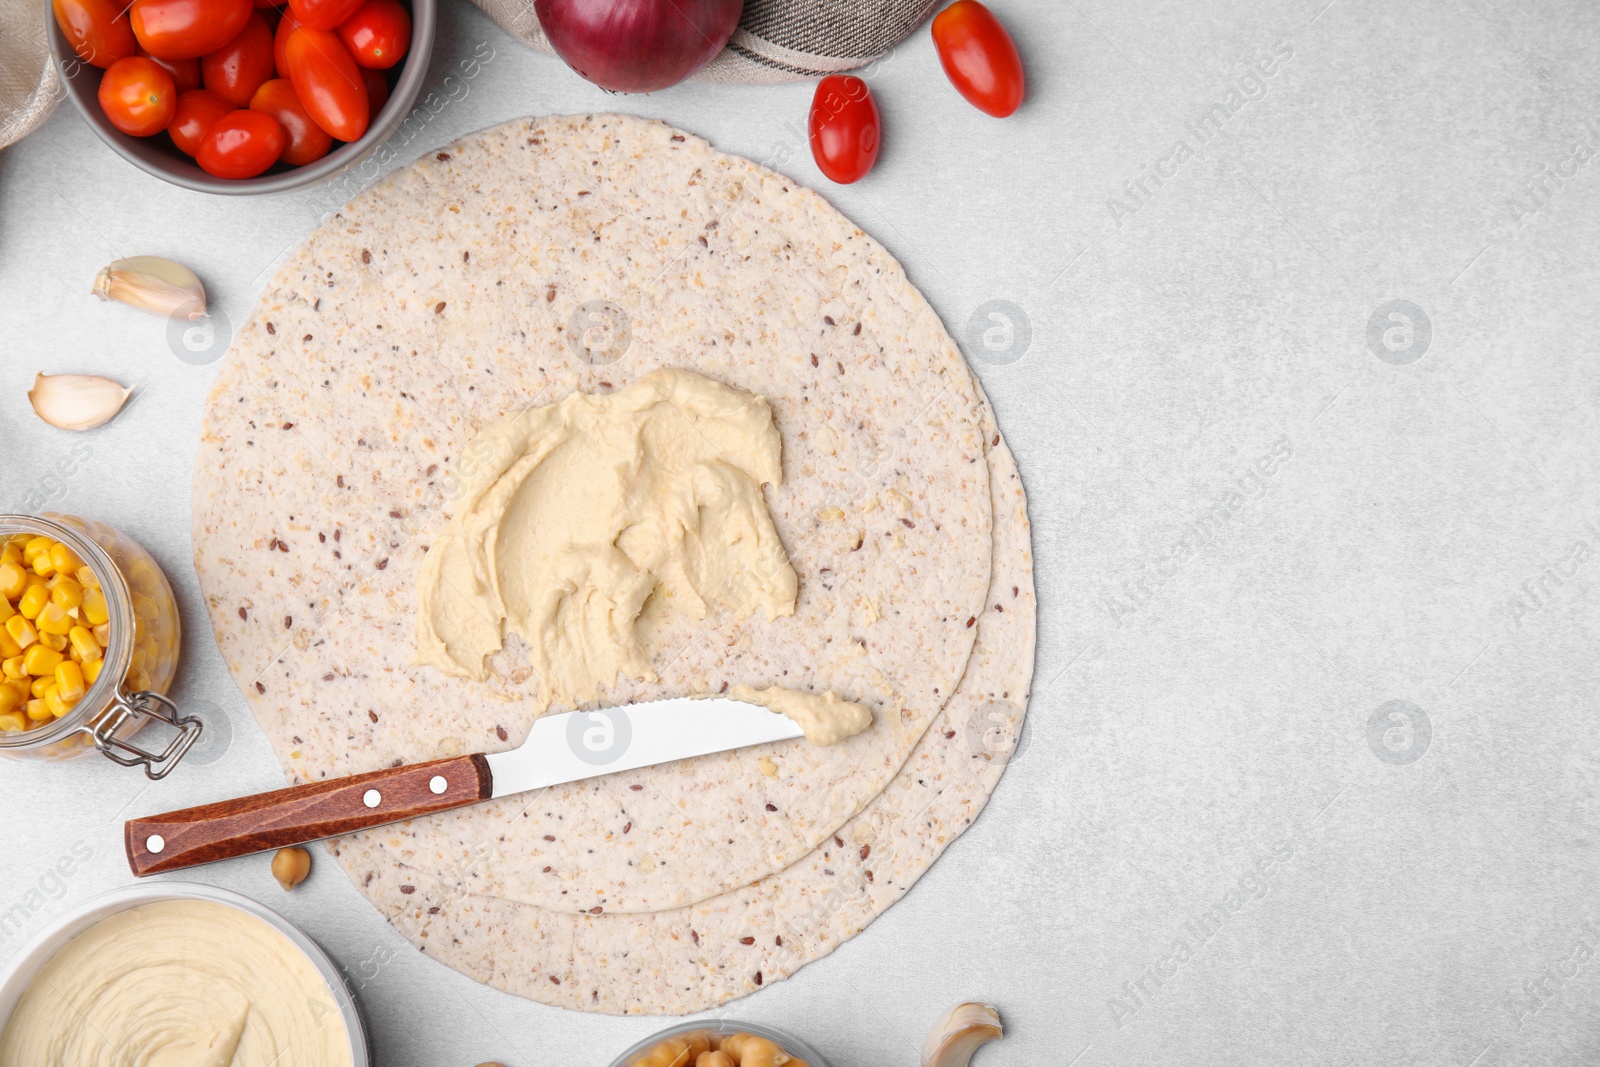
[441, 299]
[689, 959]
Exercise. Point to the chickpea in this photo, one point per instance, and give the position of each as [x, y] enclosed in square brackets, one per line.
[716, 1058]
[290, 866]
[761, 1052]
[733, 1045]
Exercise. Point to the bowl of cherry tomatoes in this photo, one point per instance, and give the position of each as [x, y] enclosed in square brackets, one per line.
[243, 96]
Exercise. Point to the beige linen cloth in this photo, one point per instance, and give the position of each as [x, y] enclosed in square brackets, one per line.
[777, 41]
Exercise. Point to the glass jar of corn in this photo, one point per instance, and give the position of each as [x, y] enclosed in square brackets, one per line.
[89, 639]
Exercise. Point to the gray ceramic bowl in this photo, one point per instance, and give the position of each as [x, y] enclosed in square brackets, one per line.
[160, 157]
[795, 1047]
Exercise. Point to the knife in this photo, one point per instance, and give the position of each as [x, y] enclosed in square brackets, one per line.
[559, 749]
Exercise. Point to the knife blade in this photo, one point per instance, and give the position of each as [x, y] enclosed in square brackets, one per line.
[570, 747]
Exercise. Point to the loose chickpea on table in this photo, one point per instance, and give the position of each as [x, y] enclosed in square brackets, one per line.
[54, 630]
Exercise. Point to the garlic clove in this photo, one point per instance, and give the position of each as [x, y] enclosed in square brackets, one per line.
[76, 401]
[153, 284]
[957, 1035]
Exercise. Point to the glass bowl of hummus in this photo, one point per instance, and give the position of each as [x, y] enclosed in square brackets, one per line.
[720, 1043]
[176, 972]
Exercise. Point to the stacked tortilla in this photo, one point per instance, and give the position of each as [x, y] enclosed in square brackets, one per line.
[579, 253]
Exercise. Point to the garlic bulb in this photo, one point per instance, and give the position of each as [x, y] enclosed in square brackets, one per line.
[956, 1036]
[76, 401]
[153, 284]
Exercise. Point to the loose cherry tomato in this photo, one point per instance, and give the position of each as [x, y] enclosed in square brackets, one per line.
[844, 128]
[280, 38]
[187, 29]
[241, 145]
[979, 57]
[328, 82]
[378, 34]
[323, 14]
[237, 69]
[306, 140]
[377, 90]
[185, 72]
[98, 30]
[198, 110]
[137, 96]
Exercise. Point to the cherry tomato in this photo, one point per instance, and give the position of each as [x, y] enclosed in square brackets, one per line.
[185, 72]
[241, 145]
[137, 96]
[377, 90]
[187, 29]
[328, 82]
[844, 128]
[98, 30]
[323, 14]
[198, 110]
[237, 69]
[306, 140]
[979, 57]
[280, 37]
[378, 34]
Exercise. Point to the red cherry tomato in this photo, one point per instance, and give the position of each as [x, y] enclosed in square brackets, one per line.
[844, 128]
[98, 30]
[306, 140]
[323, 14]
[187, 29]
[198, 110]
[241, 145]
[328, 82]
[378, 34]
[237, 69]
[979, 57]
[185, 72]
[137, 96]
[280, 38]
[377, 90]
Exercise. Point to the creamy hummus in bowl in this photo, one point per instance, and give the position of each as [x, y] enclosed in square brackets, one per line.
[176, 972]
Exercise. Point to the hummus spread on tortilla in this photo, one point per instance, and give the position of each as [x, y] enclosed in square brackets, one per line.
[575, 520]
[189, 982]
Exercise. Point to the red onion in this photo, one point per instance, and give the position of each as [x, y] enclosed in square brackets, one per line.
[637, 46]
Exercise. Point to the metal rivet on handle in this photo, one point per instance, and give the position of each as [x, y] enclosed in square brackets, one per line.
[438, 784]
[155, 843]
[371, 798]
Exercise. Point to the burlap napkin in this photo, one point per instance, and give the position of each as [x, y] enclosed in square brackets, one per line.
[28, 85]
[777, 40]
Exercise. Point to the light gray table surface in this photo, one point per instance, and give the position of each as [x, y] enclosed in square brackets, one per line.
[1221, 651]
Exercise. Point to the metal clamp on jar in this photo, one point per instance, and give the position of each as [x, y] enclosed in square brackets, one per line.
[55, 613]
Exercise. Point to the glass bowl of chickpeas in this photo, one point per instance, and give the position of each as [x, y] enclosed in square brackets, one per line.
[89, 639]
[720, 1043]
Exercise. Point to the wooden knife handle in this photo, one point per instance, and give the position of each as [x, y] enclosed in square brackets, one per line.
[302, 813]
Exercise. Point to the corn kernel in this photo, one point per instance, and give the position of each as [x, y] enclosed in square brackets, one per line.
[42, 566]
[84, 644]
[32, 601]
[102, 635]
[54, 642]
[55, 702]
[64, 558]
[11, 667]
[69, 681]
[53, 619]
[34, 545]
[11, 553]
[144, 608]
[6, 610]
[66, 593]
[41, 660]
[40, 684]
[10, 699]
[12, 722]
[8, 644]
[94, 607]
[86, 578]
[13, 579]
[91, 670]
[21, 631]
